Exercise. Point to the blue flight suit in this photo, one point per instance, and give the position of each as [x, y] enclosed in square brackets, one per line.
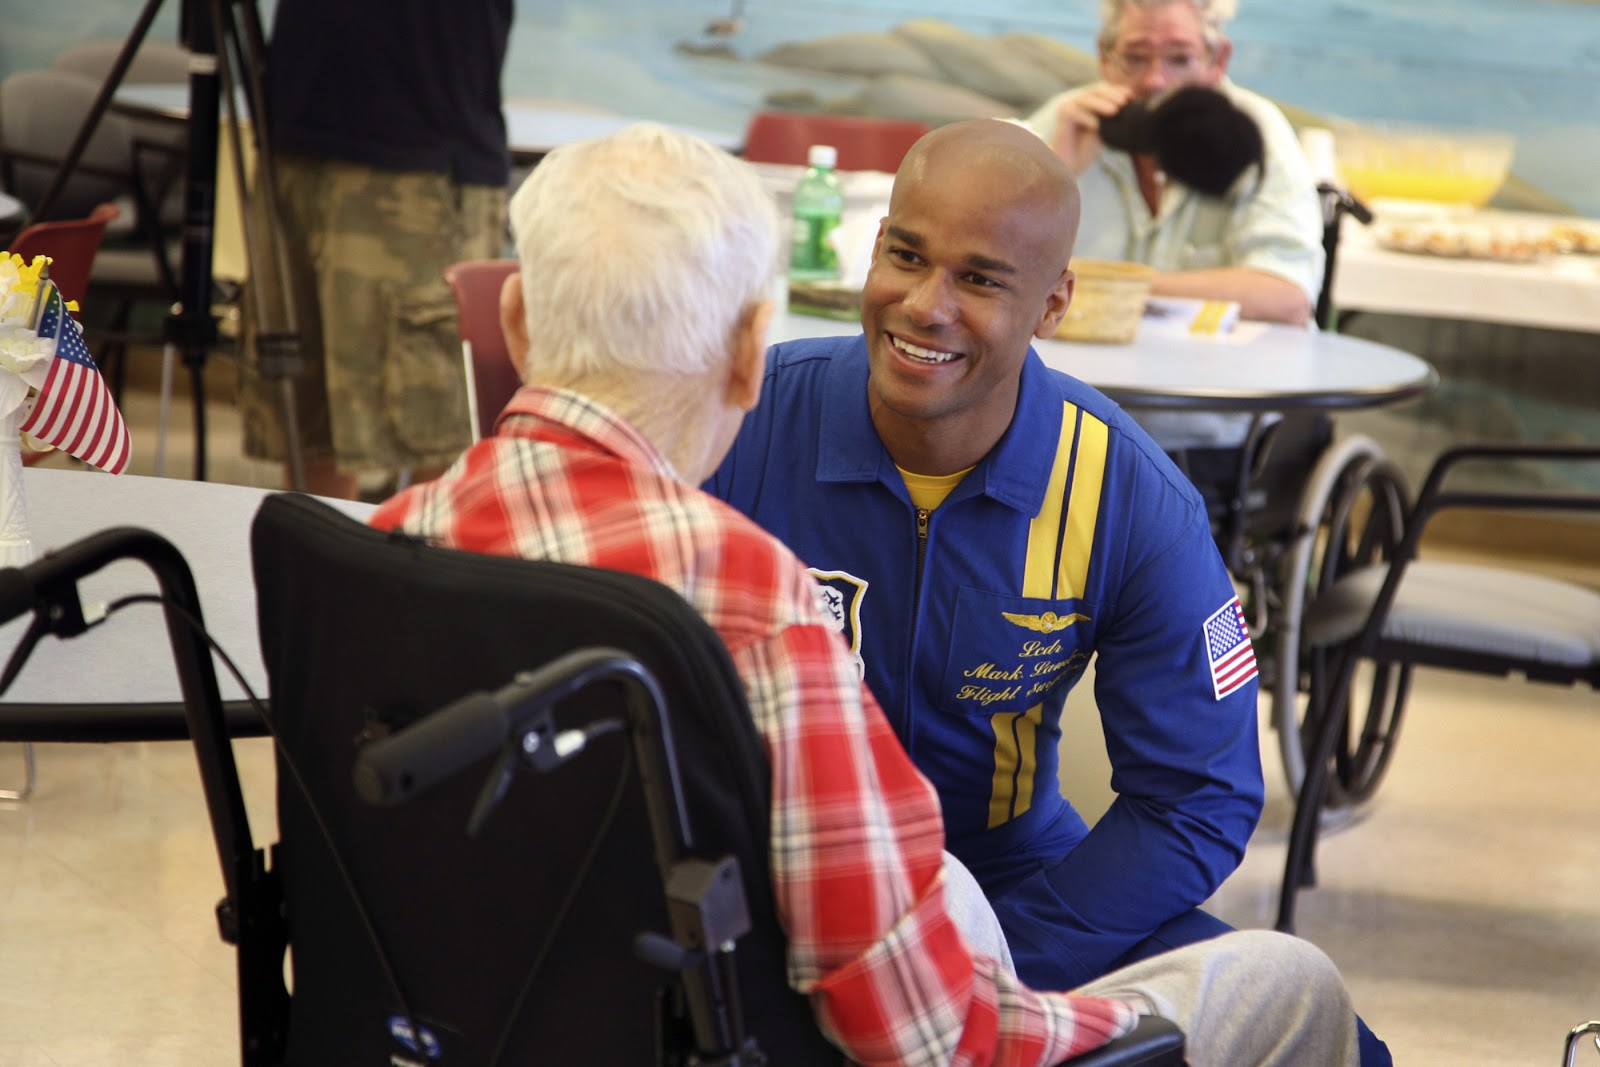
[1074, 537]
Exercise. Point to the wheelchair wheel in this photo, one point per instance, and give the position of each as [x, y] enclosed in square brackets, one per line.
[1352, 513]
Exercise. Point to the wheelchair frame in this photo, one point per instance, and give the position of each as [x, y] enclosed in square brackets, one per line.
[1349, 512]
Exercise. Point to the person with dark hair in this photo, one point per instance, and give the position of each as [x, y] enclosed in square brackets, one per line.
[1256, 240]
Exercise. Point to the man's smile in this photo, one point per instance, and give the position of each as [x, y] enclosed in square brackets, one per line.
[920, 354]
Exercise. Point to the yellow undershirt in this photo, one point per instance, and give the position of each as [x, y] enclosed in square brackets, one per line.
[929, 490]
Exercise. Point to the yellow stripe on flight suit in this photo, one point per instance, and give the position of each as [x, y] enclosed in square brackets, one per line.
[1056, 566]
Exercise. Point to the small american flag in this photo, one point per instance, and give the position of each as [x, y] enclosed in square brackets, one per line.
[1233, 661]
[74, 410]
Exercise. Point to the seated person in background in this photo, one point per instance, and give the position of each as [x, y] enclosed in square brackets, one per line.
[983, 526]
[1260, 246]
[645, 260]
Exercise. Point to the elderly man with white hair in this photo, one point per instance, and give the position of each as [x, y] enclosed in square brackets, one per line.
[639, 321]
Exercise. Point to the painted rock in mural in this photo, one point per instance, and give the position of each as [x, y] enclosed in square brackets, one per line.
[902, 96]
[981, 64]
[1069, 66]
[855, 53]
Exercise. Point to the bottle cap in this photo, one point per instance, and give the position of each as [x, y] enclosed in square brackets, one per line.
[823, 155]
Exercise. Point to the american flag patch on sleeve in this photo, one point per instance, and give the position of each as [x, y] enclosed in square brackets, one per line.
[1233, 661]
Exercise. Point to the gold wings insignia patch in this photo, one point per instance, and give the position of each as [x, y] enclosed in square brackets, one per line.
[1049, 622]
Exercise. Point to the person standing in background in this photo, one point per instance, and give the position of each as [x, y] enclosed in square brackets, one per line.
[391, 163]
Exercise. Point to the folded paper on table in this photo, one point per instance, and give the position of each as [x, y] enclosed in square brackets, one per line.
[1188, 317]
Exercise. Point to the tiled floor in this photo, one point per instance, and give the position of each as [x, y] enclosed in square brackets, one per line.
[1462, 908]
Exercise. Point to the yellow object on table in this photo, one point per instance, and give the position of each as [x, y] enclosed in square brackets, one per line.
[1421, 163]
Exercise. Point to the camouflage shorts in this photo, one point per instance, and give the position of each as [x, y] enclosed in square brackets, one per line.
[383, 385]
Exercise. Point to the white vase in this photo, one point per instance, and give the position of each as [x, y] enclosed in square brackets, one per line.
[16, 543]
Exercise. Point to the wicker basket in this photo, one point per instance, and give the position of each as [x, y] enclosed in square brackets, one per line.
[1107, 301]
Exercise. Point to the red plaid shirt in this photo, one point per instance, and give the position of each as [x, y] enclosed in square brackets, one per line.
[856, 831]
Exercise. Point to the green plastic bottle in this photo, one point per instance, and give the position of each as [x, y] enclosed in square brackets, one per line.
[818, 205]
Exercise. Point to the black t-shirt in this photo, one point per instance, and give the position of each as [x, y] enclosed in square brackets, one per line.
[396, 84]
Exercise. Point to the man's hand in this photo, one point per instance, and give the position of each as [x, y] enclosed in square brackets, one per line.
[1078, 114]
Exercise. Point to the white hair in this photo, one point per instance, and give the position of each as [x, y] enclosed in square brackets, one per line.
[639, 252]
[1214, 15]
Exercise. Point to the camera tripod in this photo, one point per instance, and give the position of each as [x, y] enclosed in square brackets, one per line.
[228, 50]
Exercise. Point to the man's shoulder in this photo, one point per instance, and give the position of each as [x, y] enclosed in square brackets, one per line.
[1087, 398]
[814, 353]
[1258, 107]
[760, 586]
[800, 373]
[1129, 446]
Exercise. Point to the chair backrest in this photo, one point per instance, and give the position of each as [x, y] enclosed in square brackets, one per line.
[364, 632]
[864, 142]
[155, 63]
[476, 284]
[71, 245]
[40, 114]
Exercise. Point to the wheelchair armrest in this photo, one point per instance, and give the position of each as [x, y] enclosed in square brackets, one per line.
[1433, 483]
[1435, 498]
[1155, 1042]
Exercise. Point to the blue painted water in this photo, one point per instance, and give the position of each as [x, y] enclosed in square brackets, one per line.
[1530, 67]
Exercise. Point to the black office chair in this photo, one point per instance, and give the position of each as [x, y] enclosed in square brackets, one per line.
[520, 940]
[1393, 615]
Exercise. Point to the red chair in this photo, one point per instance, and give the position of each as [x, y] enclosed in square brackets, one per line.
[71, 245]
[490, 374]
[864, 142]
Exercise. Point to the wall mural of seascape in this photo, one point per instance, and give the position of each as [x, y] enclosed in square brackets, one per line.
[1528, 67]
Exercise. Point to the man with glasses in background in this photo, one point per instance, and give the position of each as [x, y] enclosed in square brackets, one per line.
[1259, 245]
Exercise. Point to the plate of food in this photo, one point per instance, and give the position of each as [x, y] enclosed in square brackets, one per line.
[1464, 239]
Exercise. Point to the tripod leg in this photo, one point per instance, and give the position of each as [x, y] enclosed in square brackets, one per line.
[276, 331]
[169, 359]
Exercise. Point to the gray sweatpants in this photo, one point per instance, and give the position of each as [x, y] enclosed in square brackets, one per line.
[1251, 998]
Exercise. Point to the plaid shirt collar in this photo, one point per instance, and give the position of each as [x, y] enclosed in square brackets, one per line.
[545, 412]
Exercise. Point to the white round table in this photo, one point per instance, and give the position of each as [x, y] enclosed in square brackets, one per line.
[1282, 367]
[126, 661]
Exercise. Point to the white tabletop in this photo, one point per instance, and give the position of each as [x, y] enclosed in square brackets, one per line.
[1559, 291]
[127, 659]
[1281, 367]
[532, 129]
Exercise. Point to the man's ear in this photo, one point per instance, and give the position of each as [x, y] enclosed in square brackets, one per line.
[877, 242]
[1056, 303]
[514, 322]
[748, 361]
